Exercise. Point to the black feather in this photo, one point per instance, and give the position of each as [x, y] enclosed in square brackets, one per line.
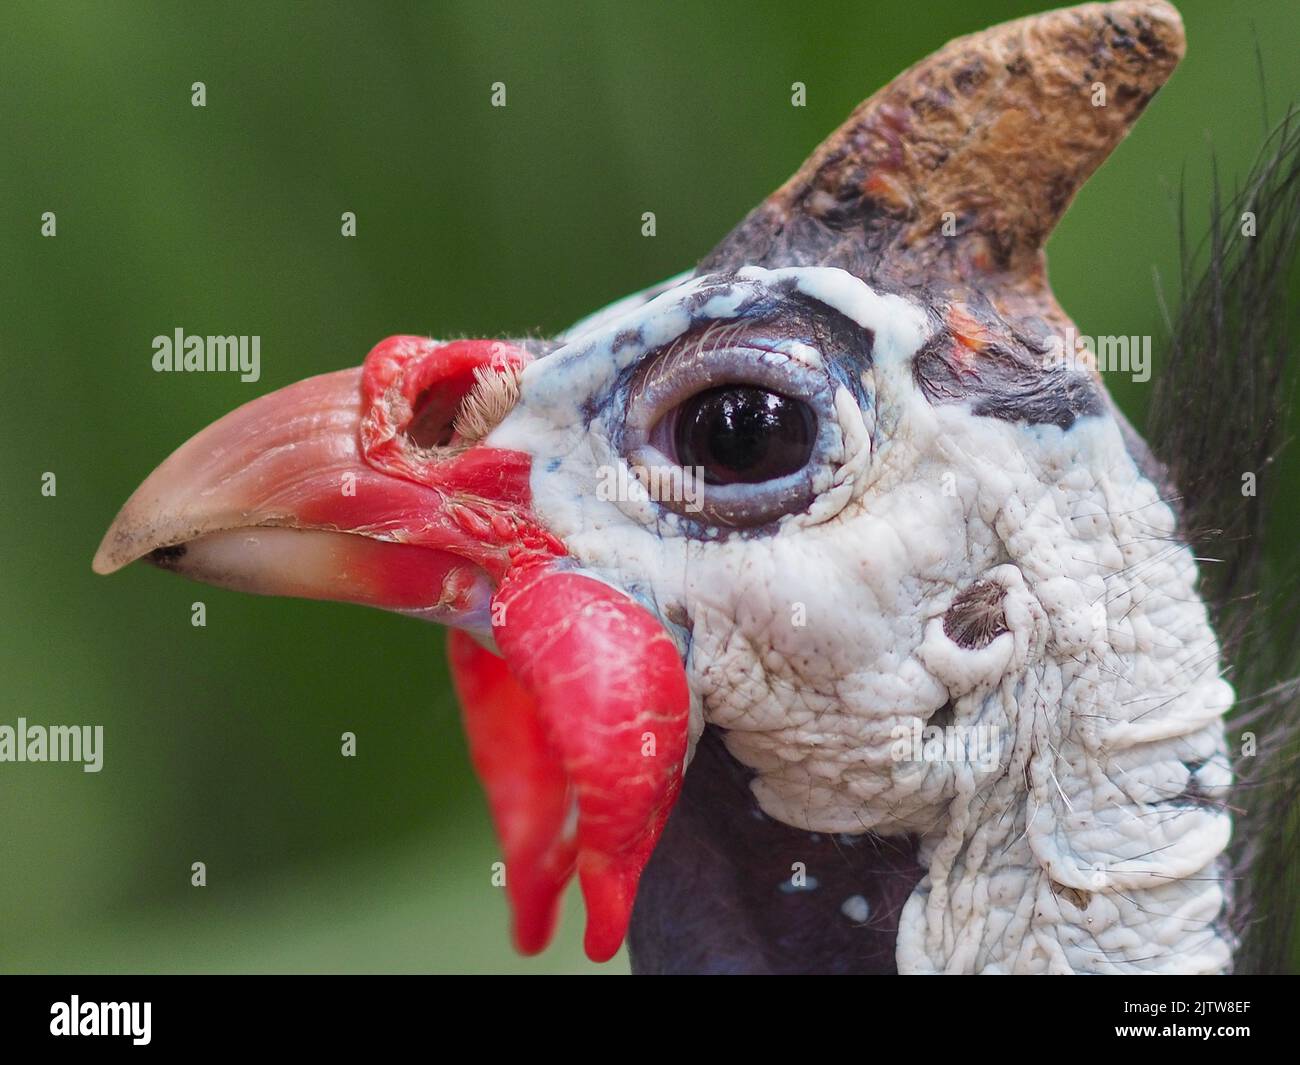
[1219, 413]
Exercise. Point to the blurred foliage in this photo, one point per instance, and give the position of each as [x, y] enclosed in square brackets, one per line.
[222, 742]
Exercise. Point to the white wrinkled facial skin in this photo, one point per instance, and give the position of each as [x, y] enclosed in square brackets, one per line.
[1090, 840]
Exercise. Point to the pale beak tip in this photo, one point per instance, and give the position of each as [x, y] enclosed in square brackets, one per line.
[107, 559]
[121, 546]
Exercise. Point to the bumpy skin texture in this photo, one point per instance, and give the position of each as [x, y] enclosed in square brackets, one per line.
[1089, 842]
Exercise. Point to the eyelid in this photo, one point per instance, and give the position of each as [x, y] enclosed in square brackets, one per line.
[681, 371]
[667, 379]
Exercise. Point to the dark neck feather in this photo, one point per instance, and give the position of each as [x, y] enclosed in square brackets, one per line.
[719, 894]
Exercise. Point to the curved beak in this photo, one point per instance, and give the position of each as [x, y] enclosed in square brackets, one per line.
[351, 486]
[372, 486]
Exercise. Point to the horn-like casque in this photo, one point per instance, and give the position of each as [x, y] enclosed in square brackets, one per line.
[993, 134]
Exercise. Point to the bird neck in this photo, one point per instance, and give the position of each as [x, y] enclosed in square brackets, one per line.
[731, 890]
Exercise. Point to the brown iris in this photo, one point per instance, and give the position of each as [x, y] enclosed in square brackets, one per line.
[739, 434]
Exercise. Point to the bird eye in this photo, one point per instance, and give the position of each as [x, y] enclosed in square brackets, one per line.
[740, 434]
[732, 431]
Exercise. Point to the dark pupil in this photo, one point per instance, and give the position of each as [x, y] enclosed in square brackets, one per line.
[743, 434]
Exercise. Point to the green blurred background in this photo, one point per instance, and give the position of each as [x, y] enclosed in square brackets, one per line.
[222, 743]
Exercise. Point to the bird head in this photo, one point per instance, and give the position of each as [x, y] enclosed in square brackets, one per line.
[849, 481]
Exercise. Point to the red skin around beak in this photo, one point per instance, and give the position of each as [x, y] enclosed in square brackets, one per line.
[355, 486]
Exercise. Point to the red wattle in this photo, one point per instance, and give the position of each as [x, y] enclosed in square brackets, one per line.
[611, 694]
[526, 787]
